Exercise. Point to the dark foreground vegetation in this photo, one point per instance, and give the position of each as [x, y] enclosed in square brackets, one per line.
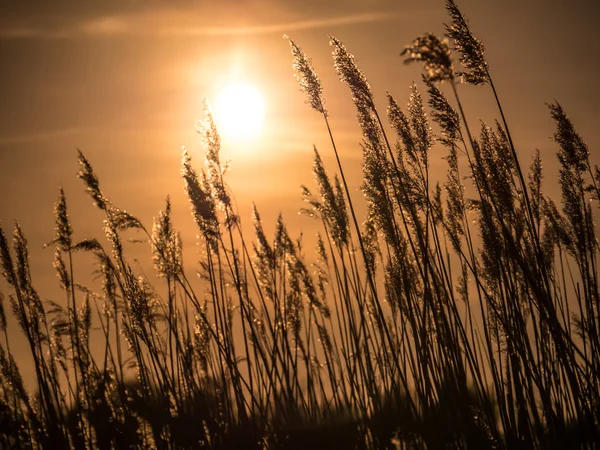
[451, 317]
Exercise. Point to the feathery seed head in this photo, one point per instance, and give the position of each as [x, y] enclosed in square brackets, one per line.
[350, 74]
[401, 125]
[557, 224]
[85, 318]
[375, 187]
[443, 114]
[371, 243]
[370, 127]
[6, 259]
[88, 245]
[332, 204]
[61, 271]
[308, 79]
[434, 53]
[210, 136]
[92, 187]
[122, 220]
[203, 207]
[166, 251]
[211, 141]
[341, 211]
[535, 185]
[420, 124]
[262, 248]
[573, 150]
[22, 257]
[62, 224]
[472, 52]
[455, 201]
[112, 235]
[321, 252]
[282, 242]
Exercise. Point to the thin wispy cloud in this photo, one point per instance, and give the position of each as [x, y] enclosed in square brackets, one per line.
[149, 25]
[44, 136]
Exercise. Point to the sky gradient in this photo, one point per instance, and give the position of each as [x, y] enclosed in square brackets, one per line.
[124, 81]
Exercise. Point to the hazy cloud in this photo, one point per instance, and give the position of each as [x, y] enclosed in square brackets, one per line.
[178, 24]
[44, 136]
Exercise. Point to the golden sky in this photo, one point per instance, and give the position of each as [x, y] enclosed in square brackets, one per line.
[124, 82]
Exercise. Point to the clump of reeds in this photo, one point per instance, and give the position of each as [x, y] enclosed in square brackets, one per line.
[451, 316]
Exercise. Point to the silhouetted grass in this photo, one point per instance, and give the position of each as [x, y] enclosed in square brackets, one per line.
[443, 320]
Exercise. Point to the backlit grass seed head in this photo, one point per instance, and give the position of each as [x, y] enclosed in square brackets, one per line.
[492, 246]
[574, 161]
[333, 206]
[166, 247]
[21, 258]
[280, 244]
[342, 212]
[142, 303]
[112, 236]
[108, 281]
[321, 252]
[19, 313]
[211, 142]
[575, 207]
[92, 187]
[308, 197]
[374, 187]
[455, 202]
[401, 125]
[536, 176]
[472, 52]
[573, 150]
[264, 256]
[88, 245]
[10, 373]
[420, 124]
[371, 243]
[308, 79]
[463, 284]
[61, 271]
[211, 139]
[443, 114]
[203, 207]
[325, 339]
[309, 292]
[321, 267]
[293, 310]
[202, 337]
[369, 125]
[395, 293]
[434, 53]
[263, 250]
[548, 244]
[6, 259]
[350, 74]
[497, 167]
[85, 318]
[62, 224]
[122, 220]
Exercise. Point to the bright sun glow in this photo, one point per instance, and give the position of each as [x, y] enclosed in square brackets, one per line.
[239, 111]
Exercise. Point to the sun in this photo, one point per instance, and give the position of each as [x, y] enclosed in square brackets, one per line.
[239, 111]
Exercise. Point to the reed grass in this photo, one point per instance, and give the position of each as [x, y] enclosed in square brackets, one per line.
[441, 320]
